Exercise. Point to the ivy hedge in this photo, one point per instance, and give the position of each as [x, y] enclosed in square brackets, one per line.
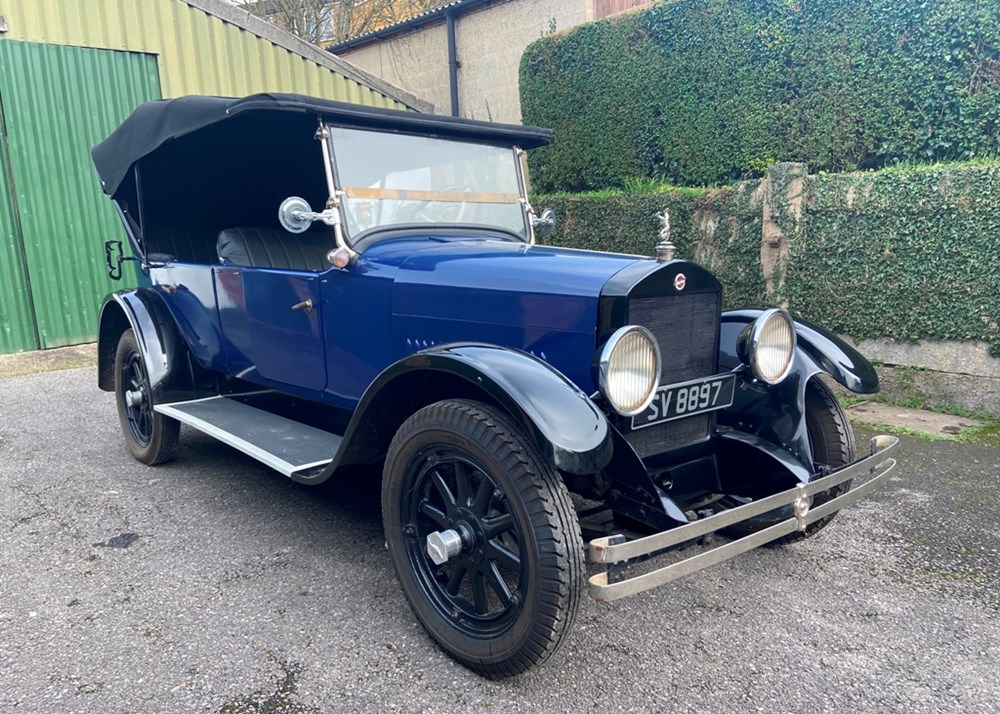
[901, 253]
[701, 92]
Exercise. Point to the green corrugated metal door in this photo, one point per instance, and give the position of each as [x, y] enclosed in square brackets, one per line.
[57, 102]
[17, 321]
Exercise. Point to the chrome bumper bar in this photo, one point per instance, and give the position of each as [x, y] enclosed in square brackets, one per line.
[609, 549]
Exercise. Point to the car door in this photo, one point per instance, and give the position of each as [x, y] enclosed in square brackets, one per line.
[272, 324]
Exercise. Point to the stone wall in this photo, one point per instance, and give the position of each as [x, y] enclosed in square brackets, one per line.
[902, 261]
[490, 42]
[417, 59]
[939, 374]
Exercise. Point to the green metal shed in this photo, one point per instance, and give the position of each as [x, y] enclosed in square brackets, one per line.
[70, 72]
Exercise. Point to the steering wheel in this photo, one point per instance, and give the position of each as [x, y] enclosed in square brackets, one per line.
[443, 212]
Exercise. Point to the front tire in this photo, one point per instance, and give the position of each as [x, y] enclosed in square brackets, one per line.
[149, 435]
[831, 441]
[505, 601]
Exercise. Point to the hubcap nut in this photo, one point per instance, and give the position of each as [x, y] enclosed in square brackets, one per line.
[442, 545]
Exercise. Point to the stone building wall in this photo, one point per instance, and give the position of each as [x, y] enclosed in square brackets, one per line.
[490, 42]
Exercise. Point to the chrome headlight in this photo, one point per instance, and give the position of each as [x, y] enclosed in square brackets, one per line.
[630, 369]
[770, 345]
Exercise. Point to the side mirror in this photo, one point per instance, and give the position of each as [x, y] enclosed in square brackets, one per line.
[544, 225]
[295, 215]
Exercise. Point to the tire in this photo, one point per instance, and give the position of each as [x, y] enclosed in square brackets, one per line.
[150, 436]
[506, 602]
[831, 441]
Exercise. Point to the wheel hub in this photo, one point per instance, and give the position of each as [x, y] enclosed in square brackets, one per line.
[442, 546]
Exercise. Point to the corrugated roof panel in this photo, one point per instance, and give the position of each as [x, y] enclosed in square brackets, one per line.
[198, 53]
[58, 102]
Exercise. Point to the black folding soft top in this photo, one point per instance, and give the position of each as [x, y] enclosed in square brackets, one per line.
[153, 124]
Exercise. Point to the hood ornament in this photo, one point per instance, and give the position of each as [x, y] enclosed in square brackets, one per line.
[666, 250]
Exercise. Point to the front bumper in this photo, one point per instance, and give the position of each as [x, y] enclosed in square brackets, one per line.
[614, 551]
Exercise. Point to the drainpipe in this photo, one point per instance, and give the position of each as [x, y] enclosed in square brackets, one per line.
[452, 63]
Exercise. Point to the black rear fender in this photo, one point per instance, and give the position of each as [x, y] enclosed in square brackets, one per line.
[174, 374]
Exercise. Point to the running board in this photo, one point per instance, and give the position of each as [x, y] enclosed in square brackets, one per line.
[285, 445]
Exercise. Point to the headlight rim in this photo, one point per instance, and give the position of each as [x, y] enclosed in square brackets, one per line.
[753, 342]
[604, 363]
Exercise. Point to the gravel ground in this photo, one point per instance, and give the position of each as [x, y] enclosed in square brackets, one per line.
[212, 584]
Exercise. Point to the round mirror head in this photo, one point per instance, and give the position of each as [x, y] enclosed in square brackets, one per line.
[295, 215]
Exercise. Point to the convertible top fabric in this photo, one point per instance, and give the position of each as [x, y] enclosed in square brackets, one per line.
[154, 124]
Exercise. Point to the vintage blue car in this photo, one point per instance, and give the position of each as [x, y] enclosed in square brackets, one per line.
[325, 284]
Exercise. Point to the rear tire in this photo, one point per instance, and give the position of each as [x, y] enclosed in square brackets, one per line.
[149, 435]
[504, 602]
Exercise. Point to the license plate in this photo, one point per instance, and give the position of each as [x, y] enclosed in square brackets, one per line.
[676, 401]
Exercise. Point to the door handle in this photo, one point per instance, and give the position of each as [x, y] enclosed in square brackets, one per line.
[307, 305]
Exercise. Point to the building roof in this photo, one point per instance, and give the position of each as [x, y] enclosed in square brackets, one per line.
[286, 40]
[456, 8]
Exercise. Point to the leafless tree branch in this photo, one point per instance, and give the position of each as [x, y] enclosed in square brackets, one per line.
[323, 21]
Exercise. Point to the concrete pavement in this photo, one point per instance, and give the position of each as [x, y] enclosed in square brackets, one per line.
[212, 584]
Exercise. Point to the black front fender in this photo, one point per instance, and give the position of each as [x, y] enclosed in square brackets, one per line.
[565, 425]
[820, 351]
[777, 413]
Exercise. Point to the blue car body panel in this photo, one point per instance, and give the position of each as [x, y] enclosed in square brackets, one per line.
[540, 300]
[188, 292]
[402, 296]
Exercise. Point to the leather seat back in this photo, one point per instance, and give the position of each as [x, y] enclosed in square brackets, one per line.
[272, 248]
[180, 246]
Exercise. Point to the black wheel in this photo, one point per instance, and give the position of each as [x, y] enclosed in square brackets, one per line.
[831, 441]
[503, 589]
[151, 437]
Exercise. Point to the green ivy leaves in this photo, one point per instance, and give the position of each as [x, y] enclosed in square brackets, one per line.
[702, 92]
[902, 253]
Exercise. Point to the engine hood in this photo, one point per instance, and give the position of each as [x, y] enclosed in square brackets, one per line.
[557, 304]
[503, 283]
[537, 299]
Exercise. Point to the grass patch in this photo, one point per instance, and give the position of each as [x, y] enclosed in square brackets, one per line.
[23, 363]
[985, 434]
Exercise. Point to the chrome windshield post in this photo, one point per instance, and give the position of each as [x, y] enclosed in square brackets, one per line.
[524, 186]
[333, 202]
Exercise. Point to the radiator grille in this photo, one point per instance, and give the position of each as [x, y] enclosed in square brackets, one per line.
[686, 328]
[669, 435]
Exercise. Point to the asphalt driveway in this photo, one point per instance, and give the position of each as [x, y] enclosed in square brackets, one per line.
[212, 584]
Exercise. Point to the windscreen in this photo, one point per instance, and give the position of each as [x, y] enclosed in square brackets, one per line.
[404, 180]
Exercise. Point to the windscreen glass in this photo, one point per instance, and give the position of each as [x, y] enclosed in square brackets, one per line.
[401, 180]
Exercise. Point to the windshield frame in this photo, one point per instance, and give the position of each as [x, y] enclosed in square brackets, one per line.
[340, 196]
